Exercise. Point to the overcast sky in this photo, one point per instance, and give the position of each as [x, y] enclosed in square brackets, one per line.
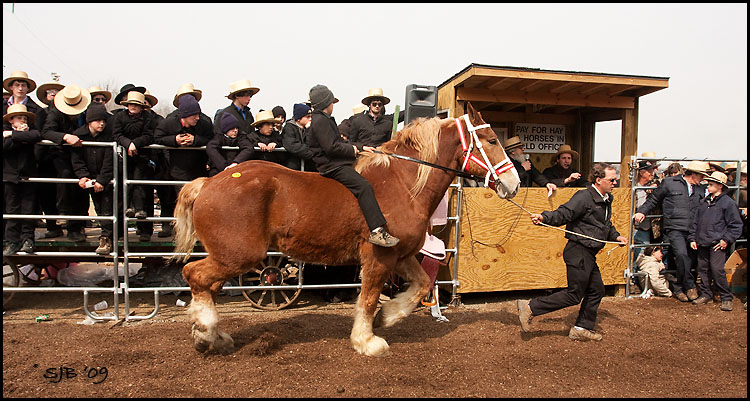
[285, 49]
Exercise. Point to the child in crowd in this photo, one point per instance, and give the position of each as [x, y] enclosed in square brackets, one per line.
[651, 263]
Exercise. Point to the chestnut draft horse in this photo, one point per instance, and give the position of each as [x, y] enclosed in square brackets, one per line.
[240, 213]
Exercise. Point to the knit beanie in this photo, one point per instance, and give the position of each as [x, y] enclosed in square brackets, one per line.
[321, 97]
[228, 122]
[279, 111]
[300, 110]
[188, 106]
[96, 112]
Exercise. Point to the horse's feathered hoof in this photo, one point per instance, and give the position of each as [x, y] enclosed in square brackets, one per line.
[224, 344]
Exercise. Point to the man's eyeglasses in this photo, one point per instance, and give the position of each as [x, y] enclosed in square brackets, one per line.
[52, 91]
[100, 99]
[376, 104]
[612, 180]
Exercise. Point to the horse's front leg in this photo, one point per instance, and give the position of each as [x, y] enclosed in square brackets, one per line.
[405, 303]
[374, 274]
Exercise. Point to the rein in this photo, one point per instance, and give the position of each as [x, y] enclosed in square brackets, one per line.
[433, 165]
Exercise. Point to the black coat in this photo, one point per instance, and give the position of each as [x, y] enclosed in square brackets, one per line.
[330, 151]
[557, 175]
[57, 124]
[138, 130]
[93, 161]
[716, 219]
[678, 209]
[18, 154]
[585, 213]
[294, 139]
[245, 123]
[279, 157]
[371, 132]
[219, 159]
[527, 177]
[185, 165]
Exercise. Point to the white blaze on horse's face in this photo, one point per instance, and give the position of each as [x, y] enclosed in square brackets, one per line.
[501, 176]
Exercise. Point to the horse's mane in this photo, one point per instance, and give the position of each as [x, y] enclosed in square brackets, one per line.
[420, 135]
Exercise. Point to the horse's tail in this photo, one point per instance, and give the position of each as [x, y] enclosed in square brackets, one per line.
[185, 235]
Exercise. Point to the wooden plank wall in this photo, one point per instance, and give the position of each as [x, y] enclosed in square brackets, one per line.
[517, 255]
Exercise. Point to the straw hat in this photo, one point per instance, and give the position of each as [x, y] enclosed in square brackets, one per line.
[184, 90]
[698, 167]
[375, 93]
[729, 167]
[72, 100]
[135, 98]
[19, 110]
[95, 90]
[512, 143]
[241, 85]
[717, 166]
[152, 100]
[265, 116]
[644, 164]
[565, 148]
[358, 109]
[718, 176]
[41, 91]
[18, 76]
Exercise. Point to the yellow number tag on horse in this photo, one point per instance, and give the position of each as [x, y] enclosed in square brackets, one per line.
[236, 175]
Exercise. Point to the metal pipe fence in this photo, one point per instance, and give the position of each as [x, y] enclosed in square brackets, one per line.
[121, 194]
[630, 272]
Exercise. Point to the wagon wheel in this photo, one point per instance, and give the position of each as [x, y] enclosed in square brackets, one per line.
[274, 270]
[11, 278]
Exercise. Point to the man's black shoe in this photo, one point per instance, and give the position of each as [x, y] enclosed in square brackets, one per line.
[28, 246]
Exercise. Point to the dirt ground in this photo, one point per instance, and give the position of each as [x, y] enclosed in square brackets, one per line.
[651, 348]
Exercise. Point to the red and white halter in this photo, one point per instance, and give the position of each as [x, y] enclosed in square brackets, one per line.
[497, 169]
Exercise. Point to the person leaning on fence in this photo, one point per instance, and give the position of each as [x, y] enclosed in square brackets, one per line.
[265, 137]
[240, 93]
[563, 174]
[526, 170]
[19, 138]
[589, 213]
[651, 264]
[334, 159]
[46, 193]
[374, 127]
[294, 138]
[133, 129]
[679, 197]
[185, 128]
[645, 177]
[93, 165]
[221, 159]
[715, 226]
[67, 116]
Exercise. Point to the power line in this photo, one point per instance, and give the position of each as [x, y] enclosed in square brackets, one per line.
[5, 43]
[46, 47]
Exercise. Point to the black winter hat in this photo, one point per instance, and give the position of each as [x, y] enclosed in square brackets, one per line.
[300, 110]
[96, 112]
[127, 88]
[228, 122]
[279, 111]
[188, 106]
[321, 97]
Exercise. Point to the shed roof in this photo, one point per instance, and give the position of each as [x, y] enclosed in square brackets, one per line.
[508, 88]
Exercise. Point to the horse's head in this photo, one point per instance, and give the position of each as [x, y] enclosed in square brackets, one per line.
[485, 156]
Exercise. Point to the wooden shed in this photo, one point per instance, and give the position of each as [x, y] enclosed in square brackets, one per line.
[499, 249]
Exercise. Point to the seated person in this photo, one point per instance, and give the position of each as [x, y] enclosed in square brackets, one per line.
[650, 262]
[221, 159]
[562, 173]
[526, 170]
[267, 139]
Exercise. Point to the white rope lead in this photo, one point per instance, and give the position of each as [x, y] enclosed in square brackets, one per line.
[567, 231]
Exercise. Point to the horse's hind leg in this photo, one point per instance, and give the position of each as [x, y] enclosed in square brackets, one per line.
[206, 278]
[405, 303]
[364, 341]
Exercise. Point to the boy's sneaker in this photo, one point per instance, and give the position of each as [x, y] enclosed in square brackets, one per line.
[524, 314]
[11, 248]
[28, 246]
[382, 238]
[726, 306]
[105, 246]
[130, 212]
[140, 214]
[583, 335]
[702, 300]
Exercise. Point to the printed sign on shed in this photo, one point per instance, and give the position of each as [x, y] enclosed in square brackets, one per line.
[541, 138]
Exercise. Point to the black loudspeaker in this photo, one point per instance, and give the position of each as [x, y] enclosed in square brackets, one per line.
[421, 101]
